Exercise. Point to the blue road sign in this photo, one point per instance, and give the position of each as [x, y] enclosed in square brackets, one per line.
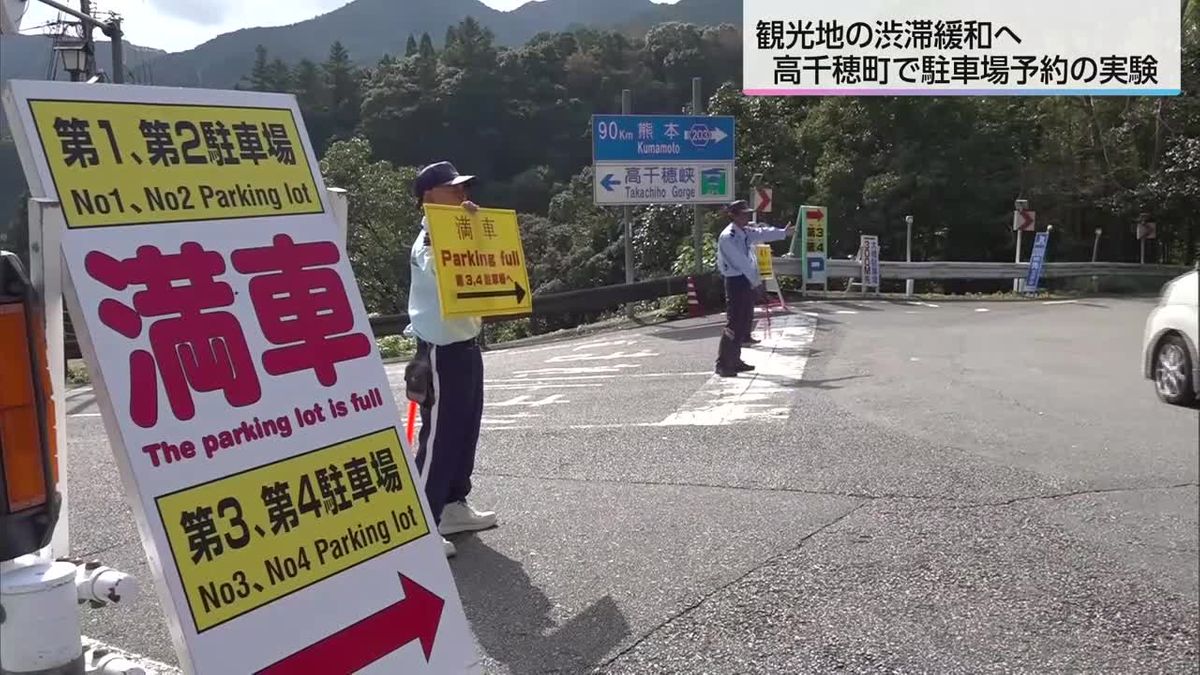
[662, 138]
[1036, 261]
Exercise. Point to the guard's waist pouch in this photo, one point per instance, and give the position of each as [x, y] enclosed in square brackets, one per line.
[418, 377]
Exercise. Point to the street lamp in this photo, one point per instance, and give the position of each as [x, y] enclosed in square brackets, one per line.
[73, 53]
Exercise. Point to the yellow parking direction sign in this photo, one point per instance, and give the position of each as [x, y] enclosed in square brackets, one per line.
[766, 267]
[248, 539]
[132, 163]
[480, 261]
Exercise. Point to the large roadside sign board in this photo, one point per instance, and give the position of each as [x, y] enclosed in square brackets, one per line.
[663, 159]
[239, 382]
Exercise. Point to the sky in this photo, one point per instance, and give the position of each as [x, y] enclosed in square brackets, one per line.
[178, 25]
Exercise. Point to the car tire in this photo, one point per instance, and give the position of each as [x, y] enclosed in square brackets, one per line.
[1173, 377]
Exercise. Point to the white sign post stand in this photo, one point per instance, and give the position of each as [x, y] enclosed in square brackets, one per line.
[46, 226]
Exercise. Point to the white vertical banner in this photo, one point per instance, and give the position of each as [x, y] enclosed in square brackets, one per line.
[962, 47]
[868, 248]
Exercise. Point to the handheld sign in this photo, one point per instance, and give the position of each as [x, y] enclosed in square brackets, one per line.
[479, 260]
[766, 266]
[248, 410]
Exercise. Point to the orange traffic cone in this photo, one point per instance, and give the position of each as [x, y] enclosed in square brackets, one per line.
[412, 422]
[694, 308]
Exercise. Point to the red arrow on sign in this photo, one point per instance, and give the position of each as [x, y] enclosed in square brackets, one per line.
[1027, 220]
[815, 215]
[764, 200]
[357, 646]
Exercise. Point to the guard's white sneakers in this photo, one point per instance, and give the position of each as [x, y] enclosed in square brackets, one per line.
[449, 548]
[461, 517]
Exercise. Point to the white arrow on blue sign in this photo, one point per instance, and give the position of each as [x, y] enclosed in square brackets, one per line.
[663, 159]
[677, 138]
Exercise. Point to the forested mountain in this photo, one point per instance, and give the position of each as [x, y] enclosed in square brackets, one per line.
[519, 118]
[369, 29]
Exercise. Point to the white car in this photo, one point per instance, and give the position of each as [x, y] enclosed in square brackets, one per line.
[1169, 346]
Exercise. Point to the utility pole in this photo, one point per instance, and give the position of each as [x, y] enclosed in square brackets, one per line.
[697, 224]
[626, 109]
[111, 28]
[89, 42]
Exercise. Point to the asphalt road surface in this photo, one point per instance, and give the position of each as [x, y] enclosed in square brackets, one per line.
[902, 487]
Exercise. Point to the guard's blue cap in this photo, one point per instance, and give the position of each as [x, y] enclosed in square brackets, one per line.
[438, 173]
[738, 206]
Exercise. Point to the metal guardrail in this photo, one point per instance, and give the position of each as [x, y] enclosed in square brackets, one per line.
[570, 302]
[848, 269]
[607, 297]
[584, 301]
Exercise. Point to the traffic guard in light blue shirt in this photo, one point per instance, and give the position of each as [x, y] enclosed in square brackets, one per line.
[446, 374]
[738, 265]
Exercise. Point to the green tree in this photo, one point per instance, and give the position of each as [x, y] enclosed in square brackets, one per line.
[426, 49]
[343, 80]
[411, 48]
[384, 221]
[259, 73]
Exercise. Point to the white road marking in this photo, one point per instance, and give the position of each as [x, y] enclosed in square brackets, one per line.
[585, 378]
[537, 386]
[916, 303]
[151, 666]
[587, 370]
[846, 311]
[982, 309]
[1060, 302]
[762, 394]
[604, 343]
[576, 427]
[524, 400]
[566, 358]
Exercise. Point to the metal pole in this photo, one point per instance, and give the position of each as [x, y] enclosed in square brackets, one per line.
[89, 43]
[1142, 251]
[626, 109]
[697, 225]
[73, 12]
[113, 31]
[908, 283]
[1096, 245]
[1017, 259]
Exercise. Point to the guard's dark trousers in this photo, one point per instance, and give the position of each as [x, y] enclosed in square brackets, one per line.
[739, 319]
[450, 426]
